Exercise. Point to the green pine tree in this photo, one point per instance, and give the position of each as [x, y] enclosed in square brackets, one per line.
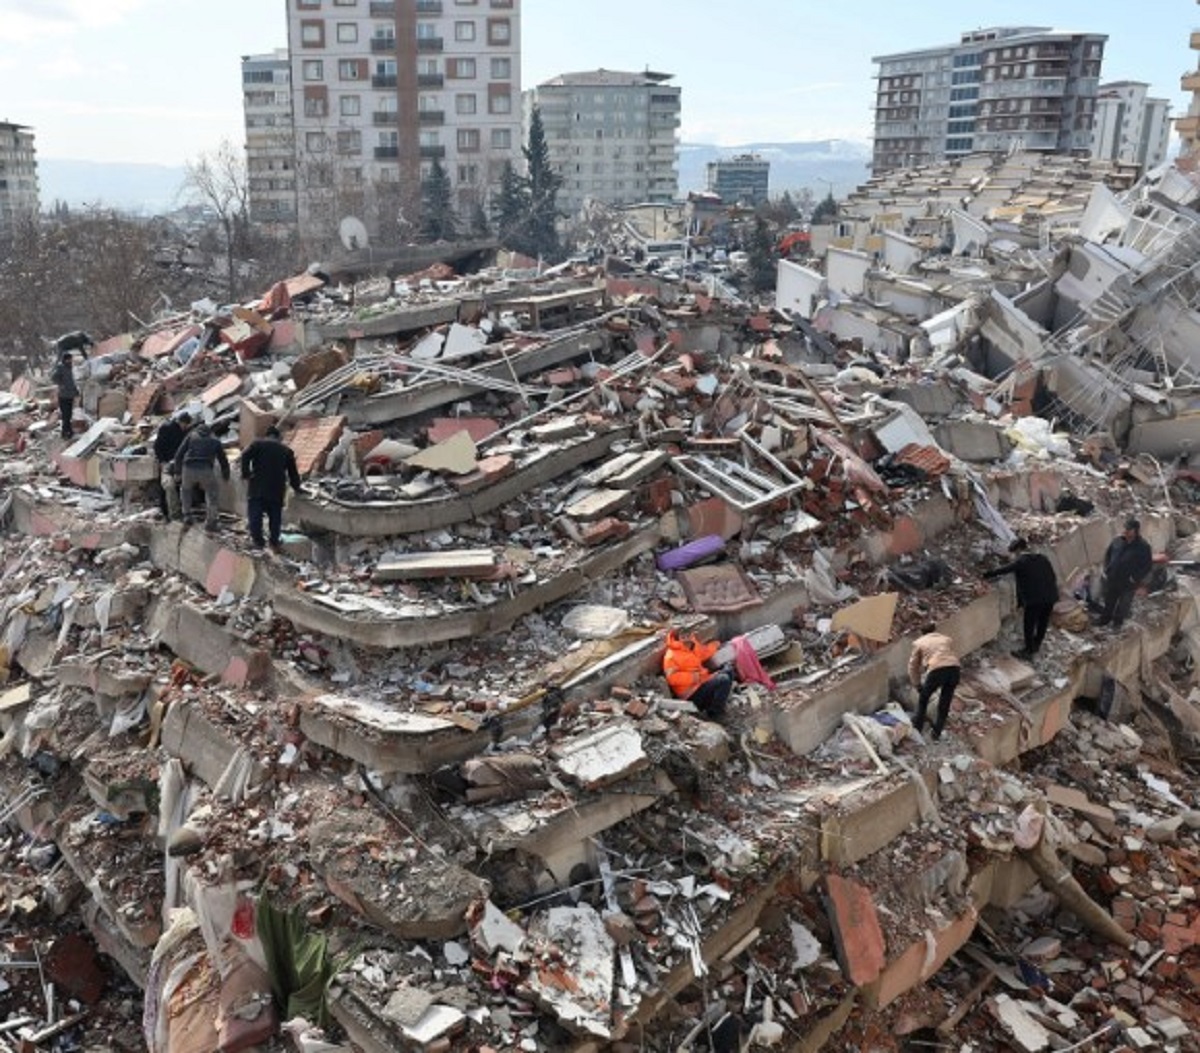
[543, 184]
[761, 251]
[510, 210]
[438, 220]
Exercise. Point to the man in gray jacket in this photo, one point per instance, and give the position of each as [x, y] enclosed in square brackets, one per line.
[197, 461]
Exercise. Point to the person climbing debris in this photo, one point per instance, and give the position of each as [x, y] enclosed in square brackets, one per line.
[1037, 592]
[933, 666]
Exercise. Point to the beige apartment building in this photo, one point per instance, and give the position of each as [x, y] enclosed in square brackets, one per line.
[612, 136]
[18, 175]
[270, 140]
[1027, 88]
[1188, 126]
[381, 89]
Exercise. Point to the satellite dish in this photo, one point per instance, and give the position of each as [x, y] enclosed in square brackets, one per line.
[353, 232]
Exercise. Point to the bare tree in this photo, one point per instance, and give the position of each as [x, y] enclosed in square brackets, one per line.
[218, 181]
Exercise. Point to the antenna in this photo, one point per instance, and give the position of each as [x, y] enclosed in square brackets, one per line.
[353, 232]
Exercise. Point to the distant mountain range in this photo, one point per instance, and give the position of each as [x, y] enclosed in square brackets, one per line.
[141, 188]
[816, 165]
[154, 189]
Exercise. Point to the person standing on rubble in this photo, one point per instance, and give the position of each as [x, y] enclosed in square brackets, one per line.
[690, 679]
[63, 376]
[933, 666]
[196, 461]
[167, 440]
[1126, 563]
[268, 465]
[1037, 592]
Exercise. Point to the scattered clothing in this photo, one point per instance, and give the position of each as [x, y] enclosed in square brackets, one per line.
[935, 667]
[268, 466]
[749, 669]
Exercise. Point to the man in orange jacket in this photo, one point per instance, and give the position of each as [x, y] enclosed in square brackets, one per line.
[688, 677]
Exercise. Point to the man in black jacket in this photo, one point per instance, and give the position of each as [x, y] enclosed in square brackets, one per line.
[167, 441]
[197, 460]
[63, 376]
[1037, 592]
[268, 466]
[1126, 563]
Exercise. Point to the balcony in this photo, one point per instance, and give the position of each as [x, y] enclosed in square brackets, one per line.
[387, 153]
[429, 80]
[427, 44]
[1190, 81]
[429, 7]
[383, 80]
[433, 152]
[431, 116]
[1195, 41]
[384, 118]
[383, 45]
[1189, 126]
[383, 9]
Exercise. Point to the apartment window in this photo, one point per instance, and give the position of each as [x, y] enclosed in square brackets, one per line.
[349, 142]
[352, 69]
[499, 98]
[350, 105]
[427, 31]
[429, 139]
[427, 67]
[312, 33]
[347, 32]
[466, 3]
[316, 101]
[464, 103]
[385, 67]
[314, 142]
[308, 5]
[501, 138]
[468, 140]
[344, 3]
[460, 69]
[468, 174]
[501, 69]
[353, 176]
[502, 3]
[389, 138]
[499, 31]
[313, 69]
[464, 31]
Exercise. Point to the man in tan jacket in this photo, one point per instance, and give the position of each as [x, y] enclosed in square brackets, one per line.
[933, 666]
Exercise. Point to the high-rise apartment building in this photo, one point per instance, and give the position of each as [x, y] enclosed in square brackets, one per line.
[383, 89]
[1129, 126]
[18, 175]
[1188, 126]
[613, 137]
[998, 89]
[270, 140]
[744, 179]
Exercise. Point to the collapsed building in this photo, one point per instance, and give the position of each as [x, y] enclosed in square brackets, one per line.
[417, 782]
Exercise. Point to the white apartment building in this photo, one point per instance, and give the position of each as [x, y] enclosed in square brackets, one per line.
[1129, 126]
[998, 89]
[18, 175]
[270, 141]
[383, 88]
[612, 136]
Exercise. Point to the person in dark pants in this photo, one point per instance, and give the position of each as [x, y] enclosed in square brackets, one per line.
[1126, 563]
[689, 677]
[167, 441]
[268, 466]
[933, 666]
[197, 460]
[63, 376]
[1037, 592]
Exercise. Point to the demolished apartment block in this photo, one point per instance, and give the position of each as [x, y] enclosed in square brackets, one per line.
[416, 781]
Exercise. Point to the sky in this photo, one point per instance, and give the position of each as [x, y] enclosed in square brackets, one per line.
[159, 81]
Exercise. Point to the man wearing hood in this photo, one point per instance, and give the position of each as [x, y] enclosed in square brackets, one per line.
[197, 461]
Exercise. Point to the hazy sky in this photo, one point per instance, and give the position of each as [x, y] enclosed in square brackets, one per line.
[159, 80]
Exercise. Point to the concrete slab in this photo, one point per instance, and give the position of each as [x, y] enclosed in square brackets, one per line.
[450, 563]
[607, 755]
[401, 888]
[203, 746]
[856, 931]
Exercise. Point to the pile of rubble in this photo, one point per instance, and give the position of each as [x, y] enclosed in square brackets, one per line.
[415, 781]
